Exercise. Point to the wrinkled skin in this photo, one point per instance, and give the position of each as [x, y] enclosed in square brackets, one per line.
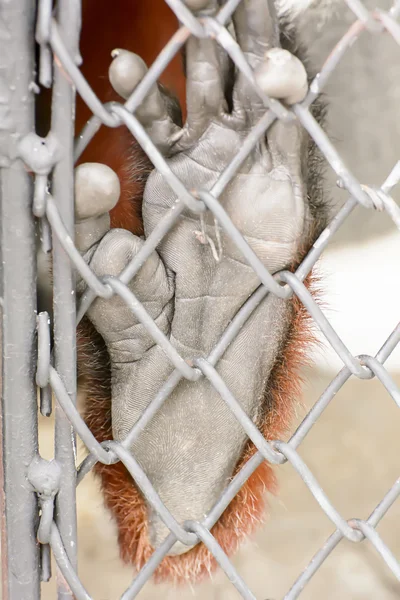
[191, 447]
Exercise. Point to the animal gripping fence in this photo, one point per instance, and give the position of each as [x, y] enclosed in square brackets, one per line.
[38, 504]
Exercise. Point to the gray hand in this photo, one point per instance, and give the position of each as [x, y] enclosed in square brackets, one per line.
[198, 280]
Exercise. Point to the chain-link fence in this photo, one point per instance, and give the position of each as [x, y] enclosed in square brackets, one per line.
[39, 500]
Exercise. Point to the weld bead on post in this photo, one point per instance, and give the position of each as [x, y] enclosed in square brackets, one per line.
[40, 155]
[45, 477]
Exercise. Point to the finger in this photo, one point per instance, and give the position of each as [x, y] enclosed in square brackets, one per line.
[152, 286]
[282, 75]
[97, 191]
[256, 29]
[206, 75]
[158, 113]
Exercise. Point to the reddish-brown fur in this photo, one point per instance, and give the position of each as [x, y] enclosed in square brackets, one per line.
[130, 25]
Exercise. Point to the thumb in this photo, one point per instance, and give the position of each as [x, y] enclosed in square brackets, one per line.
[152, 286]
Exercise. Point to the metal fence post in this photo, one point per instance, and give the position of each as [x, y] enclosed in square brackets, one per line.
[62, 126]
[20, 550]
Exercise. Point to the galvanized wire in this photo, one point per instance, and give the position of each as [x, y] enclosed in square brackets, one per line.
[58, 37]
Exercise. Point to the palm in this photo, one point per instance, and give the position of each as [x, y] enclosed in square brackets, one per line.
[261, 203]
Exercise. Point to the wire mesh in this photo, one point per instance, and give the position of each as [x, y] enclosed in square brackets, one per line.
[58, 36]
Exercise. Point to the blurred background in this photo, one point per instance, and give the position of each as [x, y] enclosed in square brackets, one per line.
[354, 448]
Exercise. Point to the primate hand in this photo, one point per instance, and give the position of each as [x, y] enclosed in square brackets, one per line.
[197, 280]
